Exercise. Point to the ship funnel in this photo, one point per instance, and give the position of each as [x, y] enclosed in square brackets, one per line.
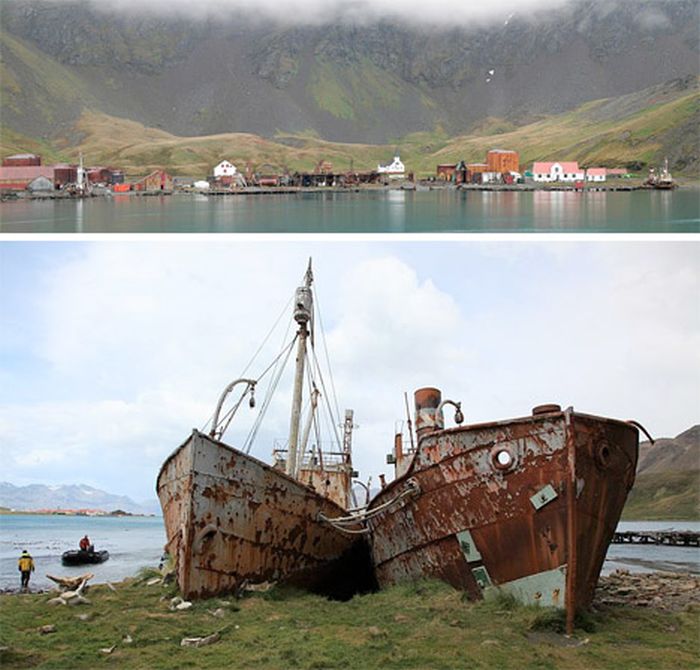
[428, 413]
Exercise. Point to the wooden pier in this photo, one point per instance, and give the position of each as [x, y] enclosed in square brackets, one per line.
[670, 538]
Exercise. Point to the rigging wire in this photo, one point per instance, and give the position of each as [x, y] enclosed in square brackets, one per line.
[269, 334]
[255, 355]
[334, 423]
[325, 348]
[274, 381]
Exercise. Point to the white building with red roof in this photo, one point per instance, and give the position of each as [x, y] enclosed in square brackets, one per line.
[596, 174]
[557, 171]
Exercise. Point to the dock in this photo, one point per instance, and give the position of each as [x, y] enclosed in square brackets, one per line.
[669, 538]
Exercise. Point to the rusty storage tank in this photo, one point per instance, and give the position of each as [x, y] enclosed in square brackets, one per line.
[527, 506]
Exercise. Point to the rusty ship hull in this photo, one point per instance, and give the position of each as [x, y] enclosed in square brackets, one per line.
[527, 506]
[230, 519]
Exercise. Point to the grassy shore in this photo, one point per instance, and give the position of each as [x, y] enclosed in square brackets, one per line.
[424, 625]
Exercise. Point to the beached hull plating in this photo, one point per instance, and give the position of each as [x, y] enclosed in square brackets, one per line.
[538, 529]
[230, 518]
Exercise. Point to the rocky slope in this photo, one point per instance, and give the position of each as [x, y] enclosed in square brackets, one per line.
[344, 82]
[671, 454]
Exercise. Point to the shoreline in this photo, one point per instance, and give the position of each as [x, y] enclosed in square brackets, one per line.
[420, 186]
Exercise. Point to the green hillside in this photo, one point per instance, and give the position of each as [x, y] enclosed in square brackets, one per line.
[664, 496]
[613, 133]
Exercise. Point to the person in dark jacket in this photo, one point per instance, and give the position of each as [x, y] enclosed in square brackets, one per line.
[26, 567]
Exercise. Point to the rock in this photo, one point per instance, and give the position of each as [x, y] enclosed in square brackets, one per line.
[127, 639]
[219, 612]
[45, 630]
[108, 650]
[200, 641]
[184, 605]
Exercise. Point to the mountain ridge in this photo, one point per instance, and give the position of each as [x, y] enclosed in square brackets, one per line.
[69, 496]
[347, 83]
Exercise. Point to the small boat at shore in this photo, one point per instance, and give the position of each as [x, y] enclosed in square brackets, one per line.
[526, 506]
[84, 557]
[230, 518]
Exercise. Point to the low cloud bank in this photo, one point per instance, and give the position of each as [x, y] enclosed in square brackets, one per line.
[448, 13]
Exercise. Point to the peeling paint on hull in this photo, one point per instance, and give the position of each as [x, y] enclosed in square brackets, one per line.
[230, 517]
[544, 521]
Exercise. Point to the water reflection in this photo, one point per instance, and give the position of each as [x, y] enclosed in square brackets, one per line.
[365, 212]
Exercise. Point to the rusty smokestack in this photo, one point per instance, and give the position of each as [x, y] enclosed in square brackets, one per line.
[428, 419]
[398, 446]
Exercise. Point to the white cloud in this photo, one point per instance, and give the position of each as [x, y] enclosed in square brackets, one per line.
[359, 12]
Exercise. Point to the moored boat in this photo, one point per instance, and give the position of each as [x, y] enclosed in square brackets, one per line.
[232, 519]
[83, 557]
[663, 180]
[526, 506]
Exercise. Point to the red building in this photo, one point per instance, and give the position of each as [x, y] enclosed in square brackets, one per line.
[499, 160]
[158, 180]
[445, 171]
[22, 160]
[65, 174]
[18, 178]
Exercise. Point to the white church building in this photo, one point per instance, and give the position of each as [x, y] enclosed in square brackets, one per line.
[225, 169]
[395, 170]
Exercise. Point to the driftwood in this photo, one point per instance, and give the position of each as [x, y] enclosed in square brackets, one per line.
[71, 583]
[72, 597]
[200, 641]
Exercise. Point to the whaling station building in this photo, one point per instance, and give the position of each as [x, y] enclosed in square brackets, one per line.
[501, 166]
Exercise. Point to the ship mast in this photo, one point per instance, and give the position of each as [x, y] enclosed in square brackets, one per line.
[302, 315]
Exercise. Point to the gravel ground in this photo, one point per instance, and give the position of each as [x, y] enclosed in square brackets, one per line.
[659, 590]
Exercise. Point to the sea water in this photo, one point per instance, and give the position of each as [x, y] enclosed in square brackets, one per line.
[137, 542]
[384, 211]
[132, 543]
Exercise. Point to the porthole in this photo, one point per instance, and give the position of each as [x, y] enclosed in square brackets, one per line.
[603, 455]
[502, 458]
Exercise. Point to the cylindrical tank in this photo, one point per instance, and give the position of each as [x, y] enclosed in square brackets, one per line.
[303, 305]
[428, 419]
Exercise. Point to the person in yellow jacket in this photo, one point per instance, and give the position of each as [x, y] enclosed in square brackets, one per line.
[26, 567]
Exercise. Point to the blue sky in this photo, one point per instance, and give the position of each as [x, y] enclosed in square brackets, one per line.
[110, 352]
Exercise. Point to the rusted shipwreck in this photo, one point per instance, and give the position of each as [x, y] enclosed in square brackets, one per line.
[232, 519]
[526, 506]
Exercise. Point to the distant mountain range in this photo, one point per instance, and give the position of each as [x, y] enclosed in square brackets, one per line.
[371, 84]
[71, 496]
[671, 454]
[667, 486]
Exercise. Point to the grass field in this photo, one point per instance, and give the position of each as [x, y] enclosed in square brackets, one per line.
[424, 625]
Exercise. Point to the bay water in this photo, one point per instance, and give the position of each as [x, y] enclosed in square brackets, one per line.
[383, 211]
[137, 542]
